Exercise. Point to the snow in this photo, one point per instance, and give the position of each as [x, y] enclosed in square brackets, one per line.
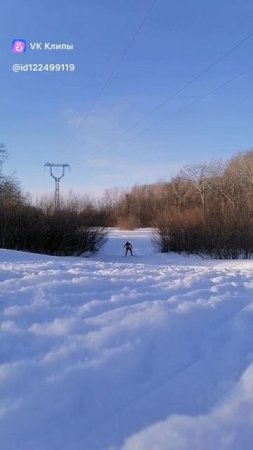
[150, 352]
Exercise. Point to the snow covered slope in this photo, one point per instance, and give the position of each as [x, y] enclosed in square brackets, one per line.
[153, 352]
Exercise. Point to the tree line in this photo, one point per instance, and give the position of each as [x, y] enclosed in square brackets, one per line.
[206, 209]
[40, 228]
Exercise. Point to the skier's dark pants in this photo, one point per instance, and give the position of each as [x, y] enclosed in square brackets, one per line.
[130, 250]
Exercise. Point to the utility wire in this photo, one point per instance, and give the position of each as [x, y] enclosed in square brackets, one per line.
[199, 99]
[203, 97]
[118, 63]
[184, 87]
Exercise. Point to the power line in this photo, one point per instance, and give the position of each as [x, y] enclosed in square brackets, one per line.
[184, 87]
[117, 65]
[123, 55]
[203, 97]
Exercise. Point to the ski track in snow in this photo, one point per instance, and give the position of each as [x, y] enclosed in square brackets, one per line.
[108, 353]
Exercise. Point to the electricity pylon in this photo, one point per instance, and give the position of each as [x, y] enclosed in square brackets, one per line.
[57, 180]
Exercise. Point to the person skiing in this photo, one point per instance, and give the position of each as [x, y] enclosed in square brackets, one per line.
[129, 248]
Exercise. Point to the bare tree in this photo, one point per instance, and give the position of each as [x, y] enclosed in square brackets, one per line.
[198, 175]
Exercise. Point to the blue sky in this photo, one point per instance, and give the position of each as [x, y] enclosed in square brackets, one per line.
[111, 138]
